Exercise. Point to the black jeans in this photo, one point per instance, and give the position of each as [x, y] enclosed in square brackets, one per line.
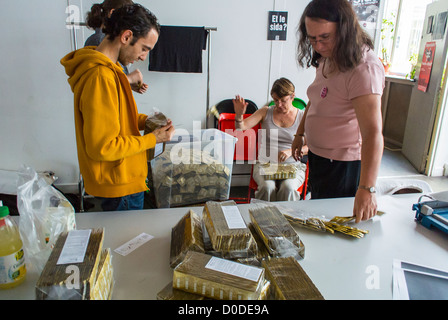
[332, 178]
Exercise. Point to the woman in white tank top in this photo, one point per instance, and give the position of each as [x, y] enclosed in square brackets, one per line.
[279, 124]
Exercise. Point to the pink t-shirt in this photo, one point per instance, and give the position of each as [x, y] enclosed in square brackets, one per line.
[331, 126]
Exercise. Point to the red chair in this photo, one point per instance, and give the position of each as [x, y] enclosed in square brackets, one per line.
[253, 185]
[246, 148]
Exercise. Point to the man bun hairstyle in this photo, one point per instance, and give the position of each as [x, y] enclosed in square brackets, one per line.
[99, 12]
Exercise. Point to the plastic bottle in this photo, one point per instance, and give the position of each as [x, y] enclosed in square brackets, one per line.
[12, 260]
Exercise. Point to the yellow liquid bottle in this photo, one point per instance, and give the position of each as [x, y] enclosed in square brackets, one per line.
[12, 260]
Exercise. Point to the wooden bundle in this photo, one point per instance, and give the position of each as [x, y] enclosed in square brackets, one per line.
[289, 281]
[218, 278]
[186, 236]
[54, 281]
[278, 171]
[276, 232]
[228, 241]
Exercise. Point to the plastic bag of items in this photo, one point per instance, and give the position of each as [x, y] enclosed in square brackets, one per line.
[44, 214]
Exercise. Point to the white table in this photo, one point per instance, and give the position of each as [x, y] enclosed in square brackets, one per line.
[340, 266]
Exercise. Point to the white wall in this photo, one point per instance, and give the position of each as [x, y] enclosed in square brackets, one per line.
[36, 104]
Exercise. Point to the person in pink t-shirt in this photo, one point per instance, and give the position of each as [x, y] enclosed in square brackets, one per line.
[342, 123]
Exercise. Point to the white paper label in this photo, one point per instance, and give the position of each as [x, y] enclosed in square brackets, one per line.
[234, 268]
[75, 247]
[233, 217]
[133, 244]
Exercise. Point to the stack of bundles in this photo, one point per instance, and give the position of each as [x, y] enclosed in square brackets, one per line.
[220, 279]
[197, 179]
[289, 281]
[229, 235]
[276, 232]
[152, 123]
[93, 278]
[186, 236]
[278, 171]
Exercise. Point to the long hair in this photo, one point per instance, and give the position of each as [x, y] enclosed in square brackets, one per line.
[350, 37]
[99, 12]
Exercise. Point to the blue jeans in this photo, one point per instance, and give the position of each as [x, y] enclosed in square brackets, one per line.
[131, 202]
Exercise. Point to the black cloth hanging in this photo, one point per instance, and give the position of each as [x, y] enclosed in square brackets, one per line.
[179, 49]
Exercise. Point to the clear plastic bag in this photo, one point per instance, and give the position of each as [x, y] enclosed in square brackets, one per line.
[44, 214]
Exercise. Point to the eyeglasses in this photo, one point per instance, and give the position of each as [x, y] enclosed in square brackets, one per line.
[313, 41]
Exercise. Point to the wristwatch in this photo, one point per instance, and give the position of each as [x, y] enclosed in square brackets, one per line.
[370, 189]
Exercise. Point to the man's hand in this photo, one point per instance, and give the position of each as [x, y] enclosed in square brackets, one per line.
[136, 80]
[165, 133]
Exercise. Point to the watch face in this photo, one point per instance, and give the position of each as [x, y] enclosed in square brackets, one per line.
[372, 189]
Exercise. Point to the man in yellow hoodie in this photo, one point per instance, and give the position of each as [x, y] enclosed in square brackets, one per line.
[111, 150]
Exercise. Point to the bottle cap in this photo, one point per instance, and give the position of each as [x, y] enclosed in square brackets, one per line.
[4, 211]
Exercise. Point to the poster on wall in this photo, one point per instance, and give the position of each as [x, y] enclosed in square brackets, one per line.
[425, 70]
[277, 25]
[367, 12]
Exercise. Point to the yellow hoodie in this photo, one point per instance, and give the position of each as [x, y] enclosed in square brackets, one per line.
[111, 149]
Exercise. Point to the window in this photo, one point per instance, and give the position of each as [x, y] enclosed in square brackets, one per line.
[401, 32]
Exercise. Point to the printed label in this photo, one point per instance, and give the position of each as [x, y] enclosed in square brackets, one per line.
[233, 217]
[12, 267]
[234, 268]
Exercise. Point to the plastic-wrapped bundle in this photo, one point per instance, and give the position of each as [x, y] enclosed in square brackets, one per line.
[55, 283]
[289, 281]
[186, 236]
[220, 279]
[278, 171]
[276, 232]
[229, 235]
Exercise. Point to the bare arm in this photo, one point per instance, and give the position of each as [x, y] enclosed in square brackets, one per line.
[368, 113]
[239, 105]
[299, 139]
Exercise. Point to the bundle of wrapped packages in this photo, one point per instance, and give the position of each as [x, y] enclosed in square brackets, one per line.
[186, 236]
[228, 233]
[220, 279]
[278, 171]
[85, 276]
[276, 232]
[289, 281]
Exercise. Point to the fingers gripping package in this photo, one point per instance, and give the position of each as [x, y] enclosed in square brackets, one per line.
[154, 121]
[194, 169]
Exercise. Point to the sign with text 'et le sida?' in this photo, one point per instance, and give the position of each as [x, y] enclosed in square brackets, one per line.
[277, 25]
